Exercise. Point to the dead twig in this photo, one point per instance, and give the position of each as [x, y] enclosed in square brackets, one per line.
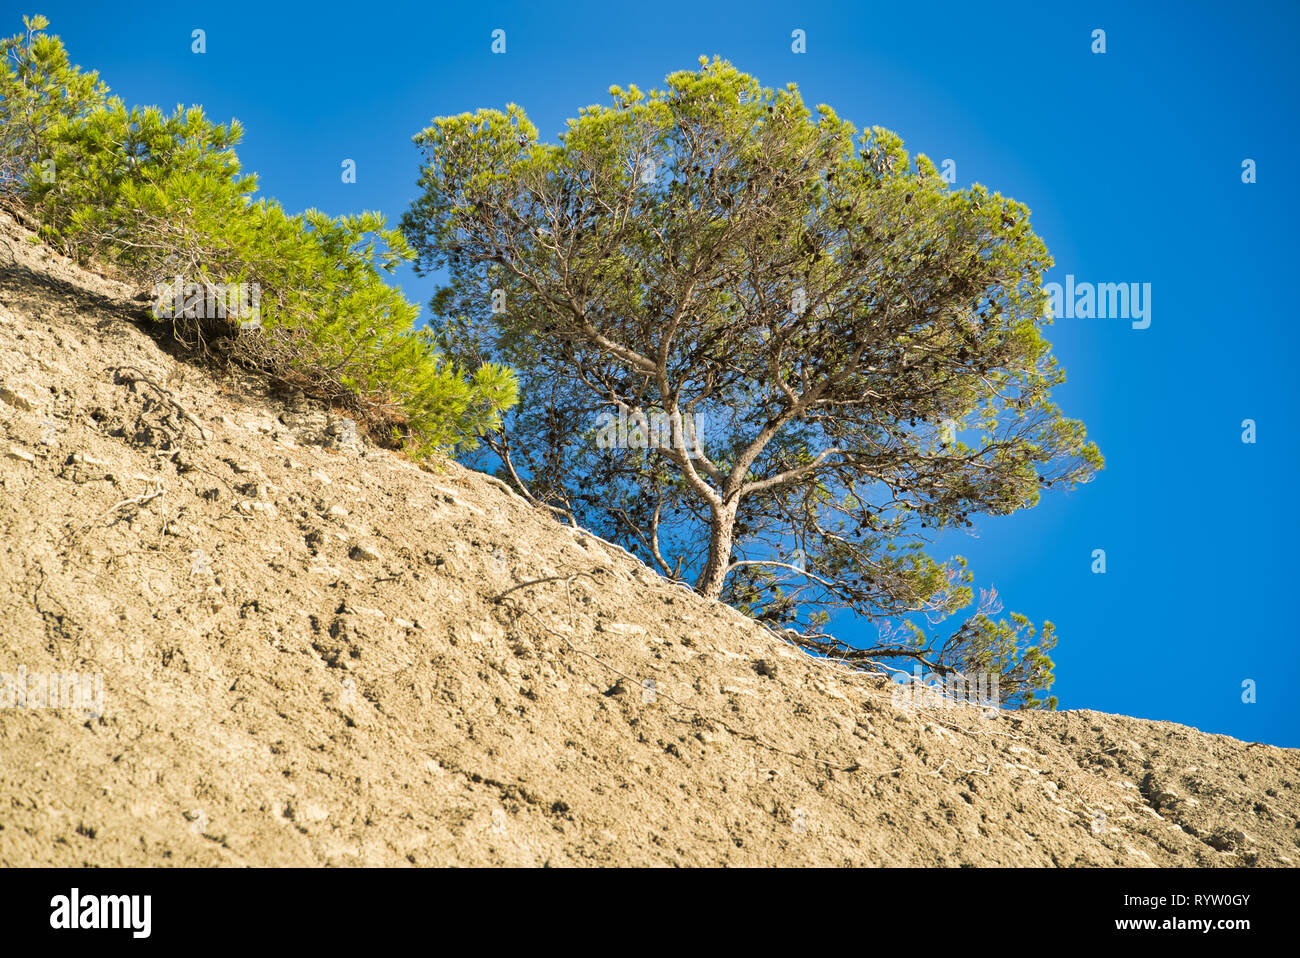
[134, 375]
[137, 501]
[154, 490]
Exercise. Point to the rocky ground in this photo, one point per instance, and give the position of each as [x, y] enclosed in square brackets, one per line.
[314, 652]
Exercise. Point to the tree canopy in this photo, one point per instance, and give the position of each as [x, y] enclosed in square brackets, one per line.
[857, 346]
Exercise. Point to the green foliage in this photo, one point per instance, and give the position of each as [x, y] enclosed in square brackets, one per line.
[1007, 648]
[38, 88]
[161, 199]
[859, 345]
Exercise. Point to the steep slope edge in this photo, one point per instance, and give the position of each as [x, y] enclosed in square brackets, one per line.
[313, 652]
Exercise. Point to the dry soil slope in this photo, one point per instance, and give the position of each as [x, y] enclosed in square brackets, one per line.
[306, 662]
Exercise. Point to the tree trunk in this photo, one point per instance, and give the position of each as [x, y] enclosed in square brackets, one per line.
[714, 575]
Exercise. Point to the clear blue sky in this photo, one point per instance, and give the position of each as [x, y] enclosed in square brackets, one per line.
[1130, 161]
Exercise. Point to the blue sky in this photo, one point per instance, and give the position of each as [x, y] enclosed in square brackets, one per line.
[1130, 160]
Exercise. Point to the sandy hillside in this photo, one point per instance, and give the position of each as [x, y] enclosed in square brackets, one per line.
[314, 652]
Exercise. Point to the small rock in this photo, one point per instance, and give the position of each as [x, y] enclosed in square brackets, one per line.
[1163, 796]
[342, 434]
[363, 553]
[619, 628]
[17, 399]
[22, 454]
[1227, 839]
[307, 812]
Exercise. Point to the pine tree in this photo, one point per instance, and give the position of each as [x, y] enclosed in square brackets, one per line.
[858, 345]
[158, 198]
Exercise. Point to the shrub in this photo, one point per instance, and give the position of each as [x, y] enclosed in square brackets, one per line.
[161, 199]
